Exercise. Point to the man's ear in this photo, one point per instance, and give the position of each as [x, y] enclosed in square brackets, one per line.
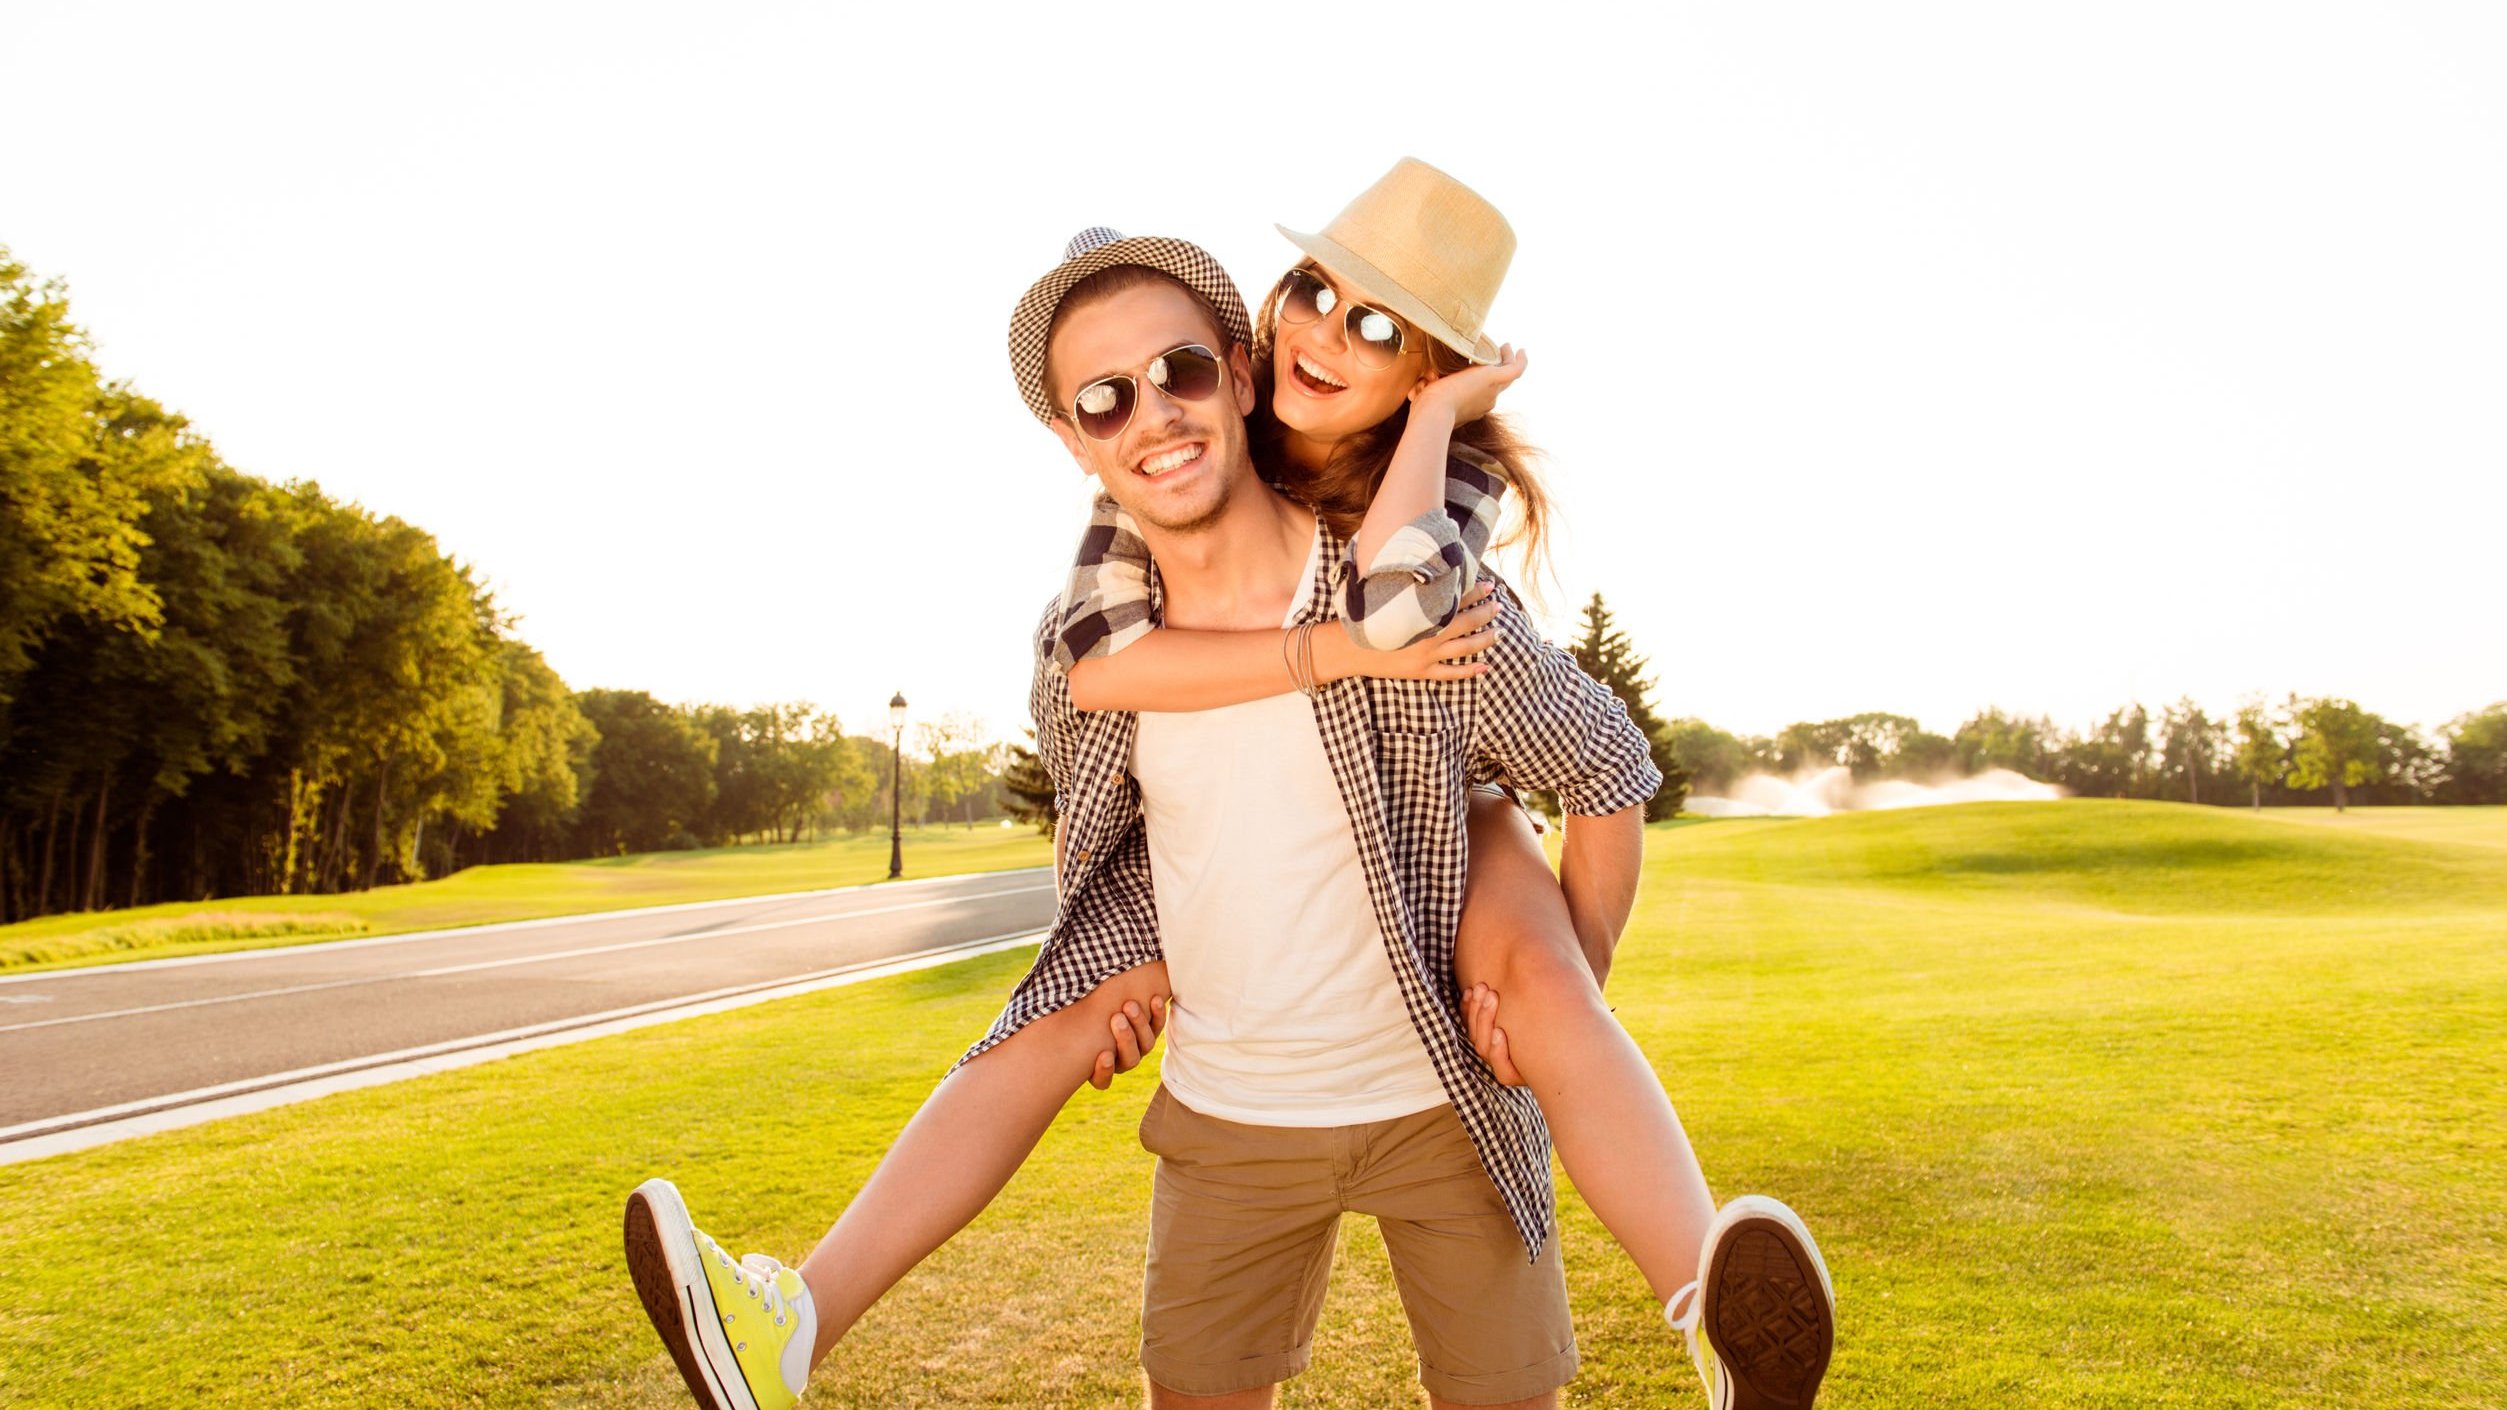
[1240, 376]
[1070, 442]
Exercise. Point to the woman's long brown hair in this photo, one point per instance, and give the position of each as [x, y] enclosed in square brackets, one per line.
[1340, 492]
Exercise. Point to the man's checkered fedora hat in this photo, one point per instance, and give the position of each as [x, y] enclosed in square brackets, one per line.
[1098, 248]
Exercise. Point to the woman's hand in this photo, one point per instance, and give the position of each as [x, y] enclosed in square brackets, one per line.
[1442, 657]
[1134, 1034]
[1471, 393]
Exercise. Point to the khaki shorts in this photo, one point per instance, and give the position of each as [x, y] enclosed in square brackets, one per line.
[1241, 1229]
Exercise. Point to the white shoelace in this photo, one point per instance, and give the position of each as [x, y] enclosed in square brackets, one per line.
[759, 1272]
[1682, 1313]
[796, 1352]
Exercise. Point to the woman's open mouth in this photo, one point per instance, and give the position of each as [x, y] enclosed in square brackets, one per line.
[1313, 379]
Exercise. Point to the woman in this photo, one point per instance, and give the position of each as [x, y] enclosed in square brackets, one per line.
[1370, 392]
[1380, 418]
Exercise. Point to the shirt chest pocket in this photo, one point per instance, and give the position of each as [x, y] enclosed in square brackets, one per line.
[1419, 758]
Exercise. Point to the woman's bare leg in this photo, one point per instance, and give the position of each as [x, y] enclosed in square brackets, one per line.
[970, 1137]
[1613, 1124]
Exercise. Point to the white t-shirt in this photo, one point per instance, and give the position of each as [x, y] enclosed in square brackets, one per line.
[1285, 1010]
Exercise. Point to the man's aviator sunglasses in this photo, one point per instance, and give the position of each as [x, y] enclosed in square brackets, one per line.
[1104, 407]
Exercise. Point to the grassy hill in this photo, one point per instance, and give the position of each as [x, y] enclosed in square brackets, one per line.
[2092, 1105]
[2125, 857]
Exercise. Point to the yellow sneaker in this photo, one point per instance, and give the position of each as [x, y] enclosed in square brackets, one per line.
[736, 1329]
[1761, 1320]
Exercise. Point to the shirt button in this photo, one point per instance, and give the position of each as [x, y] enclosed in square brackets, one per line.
[1081, 854]
[1115, 778]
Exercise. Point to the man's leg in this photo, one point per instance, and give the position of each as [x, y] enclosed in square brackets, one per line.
[1241, 1225]
[1492, 1326]
[1538, 1402]
[1261, 1398]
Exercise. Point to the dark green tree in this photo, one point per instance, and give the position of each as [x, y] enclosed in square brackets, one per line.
[1608, 656]
[2261, 755]
[80, 462]
[958, 768]
[1027, 789]
[2191, 747]
[546, 762]
[2476, 756]
[1993, 739]
[2414, 769]
[1712, 758]
[2112, 760]
[1870, 744]
[1924, 755]
[780, 770]
[652, 776]
[2337, 747]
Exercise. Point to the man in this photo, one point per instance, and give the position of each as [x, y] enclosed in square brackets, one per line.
[1296, 855]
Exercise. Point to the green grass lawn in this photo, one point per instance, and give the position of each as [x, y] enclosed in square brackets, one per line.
[480, 895]
[2091, 1104]
[2485, 826]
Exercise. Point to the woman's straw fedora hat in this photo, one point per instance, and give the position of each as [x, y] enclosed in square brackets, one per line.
[1425, 246]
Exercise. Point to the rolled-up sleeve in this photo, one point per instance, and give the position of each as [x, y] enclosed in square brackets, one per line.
[1105, 607]
[1543, 723]
[1049, 702]
[1418, 578]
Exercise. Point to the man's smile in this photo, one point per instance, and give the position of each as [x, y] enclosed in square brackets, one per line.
[1172, 458]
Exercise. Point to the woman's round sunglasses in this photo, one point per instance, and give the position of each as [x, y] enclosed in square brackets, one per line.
[1374, 335]
[1104, 407]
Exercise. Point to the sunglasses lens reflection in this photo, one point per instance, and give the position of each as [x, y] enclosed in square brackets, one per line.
[1103, 409]
[1375, 336]
[1188, 373]
[1304, 298]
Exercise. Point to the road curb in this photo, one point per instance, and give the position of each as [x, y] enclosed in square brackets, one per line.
[76, 1131]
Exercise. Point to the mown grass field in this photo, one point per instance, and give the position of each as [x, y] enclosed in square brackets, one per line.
[481, 895]
[2092, 1104]
[2484, 827]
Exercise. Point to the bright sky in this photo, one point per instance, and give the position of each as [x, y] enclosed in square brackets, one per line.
[1903, 357]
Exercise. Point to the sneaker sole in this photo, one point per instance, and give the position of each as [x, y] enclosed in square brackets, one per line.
[1768, 1309]
[669, 1278]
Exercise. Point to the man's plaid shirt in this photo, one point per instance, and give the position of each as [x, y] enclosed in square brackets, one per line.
[1404, 754]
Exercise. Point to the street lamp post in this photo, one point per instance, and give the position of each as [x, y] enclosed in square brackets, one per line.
[896, 786]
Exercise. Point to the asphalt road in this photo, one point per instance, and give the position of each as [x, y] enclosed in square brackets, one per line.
[91, 1045]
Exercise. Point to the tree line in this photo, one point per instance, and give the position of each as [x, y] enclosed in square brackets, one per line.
[665, 777]
[214, 685]
[2300, 751]
[2303, 750]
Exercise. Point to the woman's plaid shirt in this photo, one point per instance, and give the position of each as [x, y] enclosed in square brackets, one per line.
[1404, 754]
[1420, 574]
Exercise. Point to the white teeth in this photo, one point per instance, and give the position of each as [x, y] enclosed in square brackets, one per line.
[1318, 373]
[1166, 460]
